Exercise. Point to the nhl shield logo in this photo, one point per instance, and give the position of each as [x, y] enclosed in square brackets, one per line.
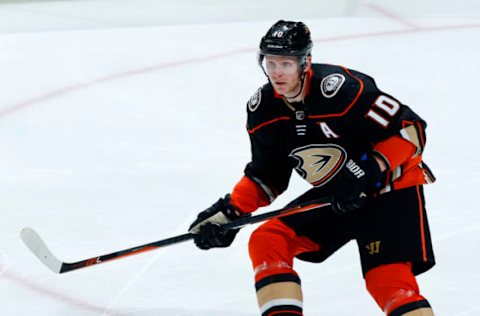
[300, 115]
[319, 163]
[331, 84]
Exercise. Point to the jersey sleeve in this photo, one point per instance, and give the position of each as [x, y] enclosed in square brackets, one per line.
[396, 133]
[268, 173]
[269, 168]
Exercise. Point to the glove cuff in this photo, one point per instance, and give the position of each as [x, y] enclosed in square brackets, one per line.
[229, 210]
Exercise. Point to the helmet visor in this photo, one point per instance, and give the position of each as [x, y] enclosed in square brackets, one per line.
[273, 64]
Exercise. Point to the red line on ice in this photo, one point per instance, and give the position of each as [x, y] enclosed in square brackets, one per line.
[392, 16]
[45, 291]
[8, 110]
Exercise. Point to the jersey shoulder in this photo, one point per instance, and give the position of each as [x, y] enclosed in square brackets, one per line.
[263, 107]
[339, 80]
[339, 88]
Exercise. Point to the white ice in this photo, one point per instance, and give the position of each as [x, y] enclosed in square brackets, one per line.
[120, 120]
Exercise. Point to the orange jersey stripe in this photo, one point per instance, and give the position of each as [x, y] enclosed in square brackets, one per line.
[360, 91]
[422, 227]
[253, 130]
[396, 150]
[420, 134]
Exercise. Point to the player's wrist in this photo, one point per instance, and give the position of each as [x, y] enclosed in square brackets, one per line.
[381, 163]
[229, 209]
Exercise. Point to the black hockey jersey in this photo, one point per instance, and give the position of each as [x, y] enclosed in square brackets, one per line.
[343, 114]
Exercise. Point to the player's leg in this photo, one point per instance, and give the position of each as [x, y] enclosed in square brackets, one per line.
[311, 236]
[272, 249]
[395, 289]
[395, 245]
[420, 312]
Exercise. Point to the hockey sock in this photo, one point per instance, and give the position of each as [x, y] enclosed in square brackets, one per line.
[402, 310]
[280, 294]
[395, 289]
[273, 246]
[272, 249]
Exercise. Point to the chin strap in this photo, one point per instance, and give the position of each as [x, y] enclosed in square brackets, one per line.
[301, 87]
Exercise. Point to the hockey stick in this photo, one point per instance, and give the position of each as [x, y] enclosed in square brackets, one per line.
[33, 241]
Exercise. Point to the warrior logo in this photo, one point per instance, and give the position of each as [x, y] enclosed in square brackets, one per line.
[255, 100]
[373, 247]
[331, 84]
[319, 163]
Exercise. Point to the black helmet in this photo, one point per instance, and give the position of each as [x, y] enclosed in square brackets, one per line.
[287, 38]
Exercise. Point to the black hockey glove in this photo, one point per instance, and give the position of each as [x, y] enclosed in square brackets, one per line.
[207, 227]
[355, 183]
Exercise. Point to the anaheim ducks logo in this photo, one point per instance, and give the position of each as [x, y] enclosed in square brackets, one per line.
[319, 163]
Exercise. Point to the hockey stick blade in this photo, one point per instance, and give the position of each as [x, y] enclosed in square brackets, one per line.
[39, 249]
[33, 241]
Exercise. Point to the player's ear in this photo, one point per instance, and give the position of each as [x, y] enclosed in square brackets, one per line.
[308, 63]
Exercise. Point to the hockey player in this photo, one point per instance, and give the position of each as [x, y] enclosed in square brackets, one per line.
[352, 142]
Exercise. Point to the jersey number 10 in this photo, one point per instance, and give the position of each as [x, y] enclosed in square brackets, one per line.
[388, 106]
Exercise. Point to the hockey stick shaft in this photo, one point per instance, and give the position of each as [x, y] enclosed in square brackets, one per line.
[39, 248]
[287, 211]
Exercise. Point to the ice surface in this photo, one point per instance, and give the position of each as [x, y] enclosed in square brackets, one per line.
[120, 120]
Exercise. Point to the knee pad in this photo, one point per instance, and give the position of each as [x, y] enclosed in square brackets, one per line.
[273, 246]
[394, 288]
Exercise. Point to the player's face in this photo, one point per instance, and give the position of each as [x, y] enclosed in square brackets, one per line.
[284, 74]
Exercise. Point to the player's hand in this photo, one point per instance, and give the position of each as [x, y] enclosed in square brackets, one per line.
[207, 227]
[353, 186]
